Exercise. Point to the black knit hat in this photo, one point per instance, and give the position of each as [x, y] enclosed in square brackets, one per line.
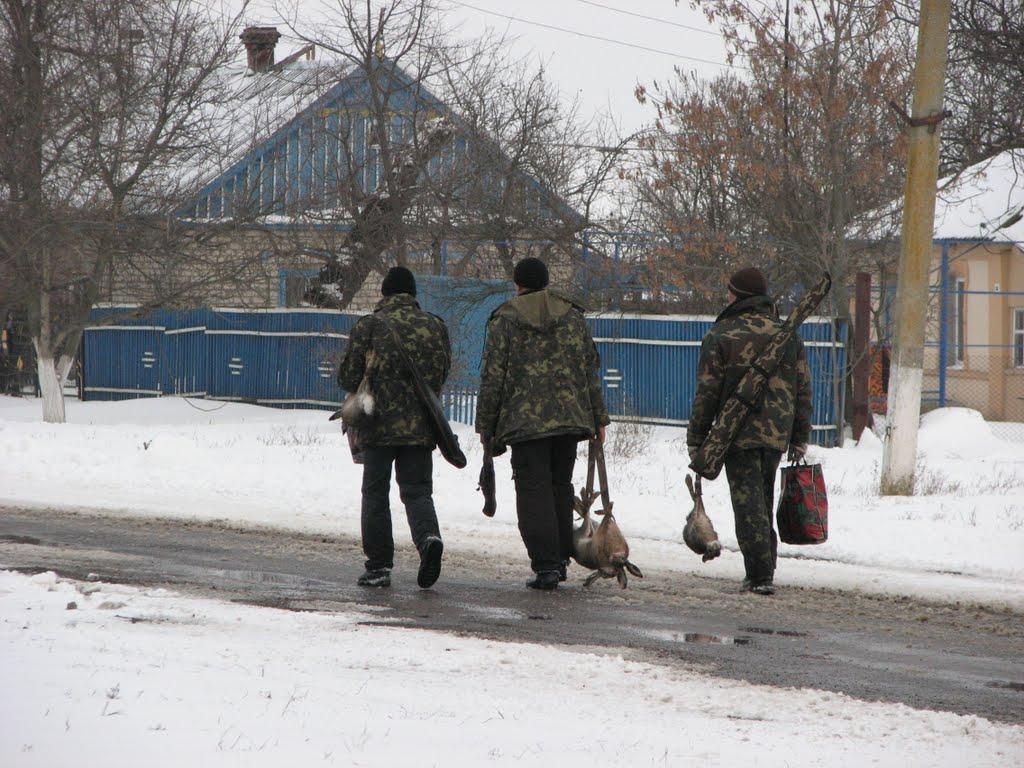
[748, 282]
[398, 280]
[531, 273]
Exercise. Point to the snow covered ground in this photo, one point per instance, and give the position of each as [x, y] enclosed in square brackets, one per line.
[961, 540]
[145, 677]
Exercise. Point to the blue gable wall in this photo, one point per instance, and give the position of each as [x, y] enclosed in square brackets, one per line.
[300, 149]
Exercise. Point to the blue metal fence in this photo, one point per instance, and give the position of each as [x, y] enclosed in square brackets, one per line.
[649, 367]
[284, 358]
[288, 357]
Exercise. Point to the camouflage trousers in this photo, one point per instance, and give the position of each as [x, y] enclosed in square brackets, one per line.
[751, 475]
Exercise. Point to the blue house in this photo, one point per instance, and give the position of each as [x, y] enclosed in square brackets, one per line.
[308, 151]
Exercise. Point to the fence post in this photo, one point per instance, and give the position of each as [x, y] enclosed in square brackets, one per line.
[943, 324]
[838, 377]
[861, 352]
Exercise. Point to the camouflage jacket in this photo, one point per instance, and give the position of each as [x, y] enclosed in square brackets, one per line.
[399, 419]
[734, 341]
[539, 375]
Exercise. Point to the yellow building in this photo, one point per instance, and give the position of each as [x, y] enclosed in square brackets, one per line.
[975, 352]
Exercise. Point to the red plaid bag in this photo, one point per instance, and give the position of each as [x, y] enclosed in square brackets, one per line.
[802, 515]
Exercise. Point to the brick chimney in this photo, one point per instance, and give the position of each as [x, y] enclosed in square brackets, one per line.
[259, 46]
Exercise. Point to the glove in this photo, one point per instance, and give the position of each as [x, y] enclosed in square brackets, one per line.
[797, 452]
[692, 450]
[487, 441]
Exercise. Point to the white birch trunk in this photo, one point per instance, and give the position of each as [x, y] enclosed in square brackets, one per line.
[899, 458]
[64, 368]
[53, 394]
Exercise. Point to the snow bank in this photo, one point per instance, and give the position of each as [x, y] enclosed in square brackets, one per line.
[961, 540]
[960, 433]
[146, 677]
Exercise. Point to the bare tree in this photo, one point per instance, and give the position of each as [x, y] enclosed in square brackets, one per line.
[985, 84]
[441, 143]
[789, 163]
[984, 79]
[534, 172]
[103, 102]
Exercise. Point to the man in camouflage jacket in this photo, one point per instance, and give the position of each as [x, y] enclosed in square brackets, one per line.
[783, 421]
[398, 433]
[540, 394]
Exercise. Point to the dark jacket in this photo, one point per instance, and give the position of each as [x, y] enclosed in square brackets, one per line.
[399, 419]
[539, 375]
[739, 334]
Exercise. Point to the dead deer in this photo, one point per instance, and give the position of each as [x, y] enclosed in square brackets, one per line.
[698, 533]
[602, 547]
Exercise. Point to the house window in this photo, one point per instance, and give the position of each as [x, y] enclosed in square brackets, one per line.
[1018, 338]
[293, 286]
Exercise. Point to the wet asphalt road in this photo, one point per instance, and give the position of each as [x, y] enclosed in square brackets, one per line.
[957, 658]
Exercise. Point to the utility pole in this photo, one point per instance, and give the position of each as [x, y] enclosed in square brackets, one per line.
[900, 455]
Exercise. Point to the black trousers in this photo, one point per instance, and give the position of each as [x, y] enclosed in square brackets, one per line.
[751, 476]
[414, 471]
[542, 471]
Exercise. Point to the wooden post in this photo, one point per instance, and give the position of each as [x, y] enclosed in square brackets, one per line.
[900, 455]
[861, 353]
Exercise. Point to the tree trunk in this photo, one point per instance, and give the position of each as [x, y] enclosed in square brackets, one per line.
[64, 366]
[49, 379]
[50, 385]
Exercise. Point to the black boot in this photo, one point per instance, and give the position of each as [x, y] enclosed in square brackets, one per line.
[763, 588]
[563, 570]
[545, 580]
[377, 578]
[430, 562]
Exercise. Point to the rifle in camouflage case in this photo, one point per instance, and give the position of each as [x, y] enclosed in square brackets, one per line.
[749, 393]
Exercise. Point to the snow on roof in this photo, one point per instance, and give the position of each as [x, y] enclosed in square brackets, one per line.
[983, 202]
[254, 105]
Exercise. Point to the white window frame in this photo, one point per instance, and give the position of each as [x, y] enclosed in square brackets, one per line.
[1017, 336]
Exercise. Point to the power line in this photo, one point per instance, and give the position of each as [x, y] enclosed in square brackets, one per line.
[612, 8]
[596, 37]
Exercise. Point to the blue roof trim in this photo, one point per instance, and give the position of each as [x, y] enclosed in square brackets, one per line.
[333, 96]
[338, 96]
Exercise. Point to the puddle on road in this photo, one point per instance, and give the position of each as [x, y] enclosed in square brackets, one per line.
[769, 631]
[15, 539]
[254, 576]
[694, 638]
[1006, 685]
[491, 612]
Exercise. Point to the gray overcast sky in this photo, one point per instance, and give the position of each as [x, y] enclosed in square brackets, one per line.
[604, 74]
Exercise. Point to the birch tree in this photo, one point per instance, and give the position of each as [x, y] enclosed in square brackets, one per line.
[101, 103]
